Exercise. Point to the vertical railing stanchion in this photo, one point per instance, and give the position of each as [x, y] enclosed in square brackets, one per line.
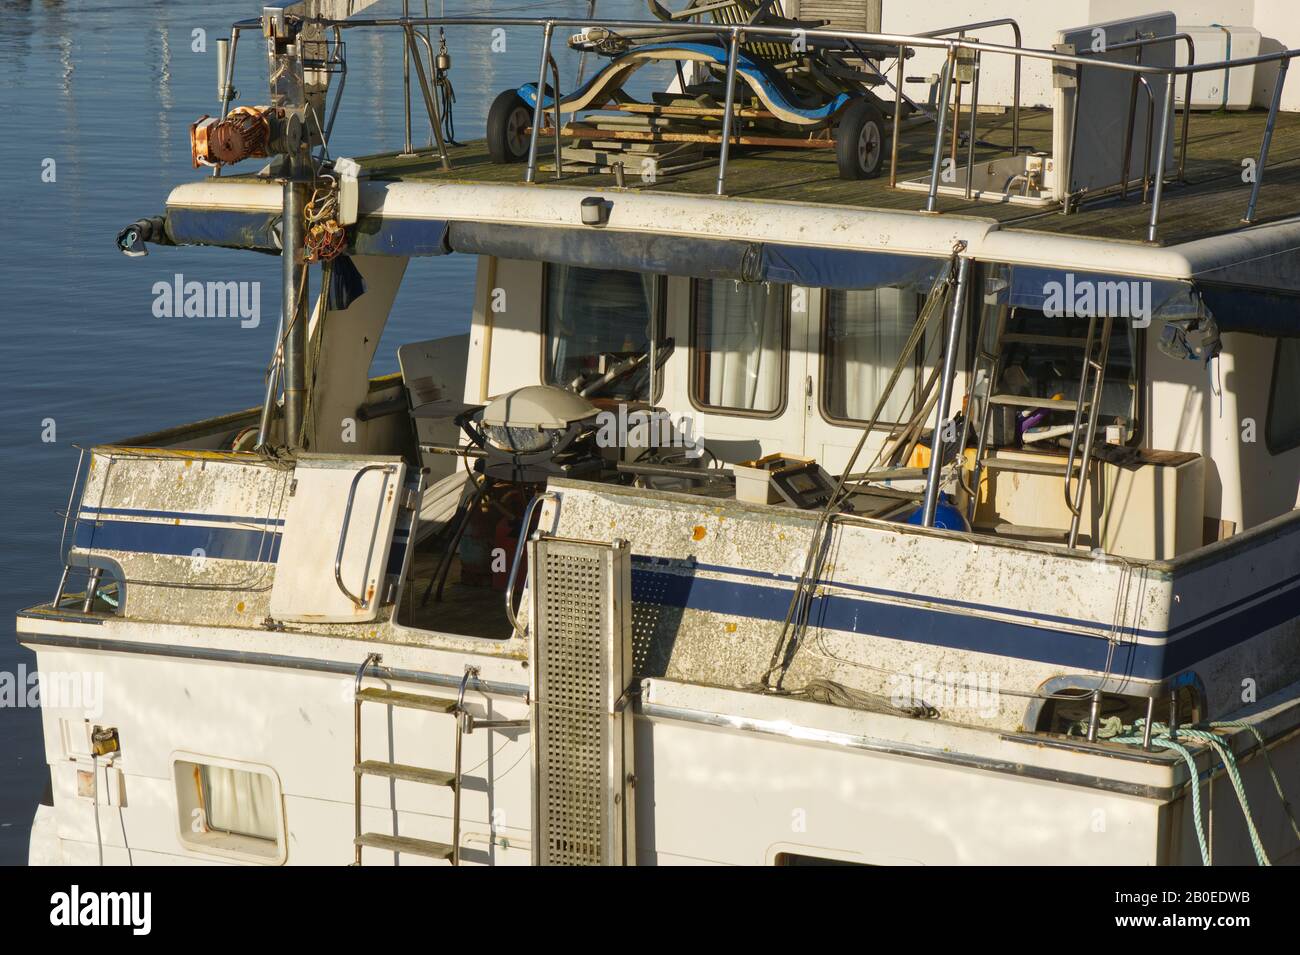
[1015, 95]
[1067, 173]
[530, 174]
[974, 114]
[1187, 108]
[406, 77]
[956, 104]
[941, 120]
[1151, 121]
[956, 317]
[555, 95]
[733, 54]
[1249, 218]
[898, 116]
[1128, 130]
[1166, 115]
[430, 101]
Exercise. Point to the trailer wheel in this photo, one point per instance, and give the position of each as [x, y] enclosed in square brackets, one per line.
[507, 119]
[860, 141]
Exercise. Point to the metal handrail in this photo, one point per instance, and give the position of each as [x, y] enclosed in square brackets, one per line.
[965, 28]
[1141, 42]
[815, 37]
[67, 515]
[511, 614]
[361, 602]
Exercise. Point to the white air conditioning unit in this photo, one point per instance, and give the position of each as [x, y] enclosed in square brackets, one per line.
[1219, 89]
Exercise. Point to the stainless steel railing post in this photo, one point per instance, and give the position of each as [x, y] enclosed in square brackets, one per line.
[1249, 218]
[1015, 95]
[733, 54]
[530, 174]
[898, 115]
[406, 79]
[974, 114]
[1161, 155]
[430, 102]
[955, 315]
[941, 120]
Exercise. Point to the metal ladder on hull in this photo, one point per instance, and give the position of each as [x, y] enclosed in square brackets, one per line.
[416, 774]
[465, 723]
[1074, 472]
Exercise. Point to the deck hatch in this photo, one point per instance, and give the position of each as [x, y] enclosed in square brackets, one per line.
[339, 529]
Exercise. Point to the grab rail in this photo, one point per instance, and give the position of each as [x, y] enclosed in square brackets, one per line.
[511, 613]
[362, 603]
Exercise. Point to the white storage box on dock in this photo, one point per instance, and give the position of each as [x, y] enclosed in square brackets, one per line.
[1219, 89]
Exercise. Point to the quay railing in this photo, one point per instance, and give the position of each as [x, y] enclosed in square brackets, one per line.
[731, 36]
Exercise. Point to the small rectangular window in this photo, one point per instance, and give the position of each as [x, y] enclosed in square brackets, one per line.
[797, 859]
[865, 331]
[1043, 357]
[739, 333]
[1282, 430]
[229, 809]
[597, 320]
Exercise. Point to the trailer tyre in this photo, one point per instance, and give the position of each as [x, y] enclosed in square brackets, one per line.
[860, 141]
[507, 119]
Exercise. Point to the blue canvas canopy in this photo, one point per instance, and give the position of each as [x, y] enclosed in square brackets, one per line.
[1252, 308]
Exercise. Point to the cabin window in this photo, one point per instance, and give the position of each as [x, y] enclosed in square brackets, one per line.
[800, 859]
[229, 809]
[1282, 431]
[598, 321]
[739, 333]
[864, 334]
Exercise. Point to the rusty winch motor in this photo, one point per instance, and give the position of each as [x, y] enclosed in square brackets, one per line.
[244, 133]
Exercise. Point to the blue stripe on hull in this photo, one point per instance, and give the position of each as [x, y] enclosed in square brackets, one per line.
[910, 623]
[766, 596]
[178, 540]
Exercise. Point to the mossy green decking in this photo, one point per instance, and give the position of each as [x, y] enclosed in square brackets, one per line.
[1211, 201]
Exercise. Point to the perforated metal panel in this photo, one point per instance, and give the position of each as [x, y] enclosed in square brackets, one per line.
[581, 628]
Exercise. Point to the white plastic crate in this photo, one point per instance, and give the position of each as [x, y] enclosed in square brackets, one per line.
[1220, 89]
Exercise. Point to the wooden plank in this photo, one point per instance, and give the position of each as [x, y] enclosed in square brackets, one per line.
[636, 136]
[653, 109]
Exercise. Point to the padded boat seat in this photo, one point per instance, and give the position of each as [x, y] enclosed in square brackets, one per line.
[770, 87]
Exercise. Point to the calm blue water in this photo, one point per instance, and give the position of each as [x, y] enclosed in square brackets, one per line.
[107, 90]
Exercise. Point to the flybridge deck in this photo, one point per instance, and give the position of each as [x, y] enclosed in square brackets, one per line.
[1210, 202]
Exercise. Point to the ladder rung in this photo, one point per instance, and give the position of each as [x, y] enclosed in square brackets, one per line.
[411, 701]
[1022, 466]
[415, 847]
[1028, 401]
[1024, 338]
[414, 774]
